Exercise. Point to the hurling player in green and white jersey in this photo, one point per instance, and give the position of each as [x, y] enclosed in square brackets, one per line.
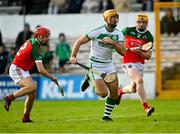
[103, 41]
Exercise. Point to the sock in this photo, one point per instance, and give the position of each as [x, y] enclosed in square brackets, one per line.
[26, 116]
[87, 77]
[11, 97]
[120, 91]
[109, 106]
[145, 105]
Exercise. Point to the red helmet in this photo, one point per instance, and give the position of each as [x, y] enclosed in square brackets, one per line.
[41, 31]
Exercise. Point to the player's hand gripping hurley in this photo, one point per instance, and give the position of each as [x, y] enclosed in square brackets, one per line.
[146, 47]
[92, 70]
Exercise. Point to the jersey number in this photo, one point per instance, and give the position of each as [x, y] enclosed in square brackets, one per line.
[22, 48]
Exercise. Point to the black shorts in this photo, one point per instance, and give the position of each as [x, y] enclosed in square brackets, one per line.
[63, 62]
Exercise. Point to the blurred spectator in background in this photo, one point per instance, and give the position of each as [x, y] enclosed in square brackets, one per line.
[47, 58]
[168, 24]
[91, 6]
[34, 6]
[3, 59]
[23, 36]
[74, 6]
[14, 2]
[57, 6]
[27, 6]
[106, 4]
[96, 6]
[1, 40]
[39, 7]
[147, 5]
[10, 2]
[63, 52]
[122, 5]
[177, 19]
[11, 56]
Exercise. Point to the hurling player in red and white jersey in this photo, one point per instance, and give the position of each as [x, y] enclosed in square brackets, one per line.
[30, 53]
[133, 60]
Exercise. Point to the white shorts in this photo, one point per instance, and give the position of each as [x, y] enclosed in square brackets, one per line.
[101, 67]
[17, 73]
[138, 66]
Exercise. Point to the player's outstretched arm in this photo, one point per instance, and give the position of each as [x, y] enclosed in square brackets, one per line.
[82, 40]
[44, 72]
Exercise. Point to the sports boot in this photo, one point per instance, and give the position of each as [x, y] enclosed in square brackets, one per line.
[7, 102]
[149, 111]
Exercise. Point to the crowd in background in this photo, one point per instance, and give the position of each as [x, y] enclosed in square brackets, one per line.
[62, 52]
[79, 6]
[170, 24]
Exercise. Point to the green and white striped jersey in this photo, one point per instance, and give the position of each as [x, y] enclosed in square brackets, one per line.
[100, 52]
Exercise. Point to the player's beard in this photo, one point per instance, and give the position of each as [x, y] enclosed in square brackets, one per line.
[113, 25]
[45, 42]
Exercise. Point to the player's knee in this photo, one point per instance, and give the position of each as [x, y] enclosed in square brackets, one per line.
[103, 94]
[32, 88]
[140, 81]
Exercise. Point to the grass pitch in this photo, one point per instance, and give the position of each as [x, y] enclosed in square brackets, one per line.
[85, 117]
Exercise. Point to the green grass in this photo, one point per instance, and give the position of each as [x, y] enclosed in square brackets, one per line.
[85, 117]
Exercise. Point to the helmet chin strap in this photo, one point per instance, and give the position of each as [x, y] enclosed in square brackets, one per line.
[140, 30]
